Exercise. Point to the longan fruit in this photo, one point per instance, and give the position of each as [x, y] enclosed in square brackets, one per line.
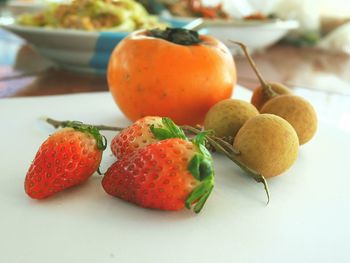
[226, 117]
[267, 144]
[260, 96]
[297, 111]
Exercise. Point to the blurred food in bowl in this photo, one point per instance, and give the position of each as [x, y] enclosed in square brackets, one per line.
[198, 8]
[93, 15]
[195, 8]
[228, 20]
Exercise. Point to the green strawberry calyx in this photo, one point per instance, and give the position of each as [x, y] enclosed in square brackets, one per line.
[201, 167]
[101, 140]
[168, 130]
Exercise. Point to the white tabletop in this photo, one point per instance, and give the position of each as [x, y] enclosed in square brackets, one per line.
[307, 219]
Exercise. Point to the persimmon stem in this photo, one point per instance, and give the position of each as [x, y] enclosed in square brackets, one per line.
[264, 84]
[180, 36]
[218, 143]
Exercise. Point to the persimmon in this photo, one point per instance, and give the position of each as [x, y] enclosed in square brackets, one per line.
[173, 72]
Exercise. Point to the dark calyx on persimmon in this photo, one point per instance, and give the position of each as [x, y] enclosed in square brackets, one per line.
[179, 36]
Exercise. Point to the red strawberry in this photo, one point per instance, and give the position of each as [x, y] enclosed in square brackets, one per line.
[167, 175]
[140, 134]
[67, 158]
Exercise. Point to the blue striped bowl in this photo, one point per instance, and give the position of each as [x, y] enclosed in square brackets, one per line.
[79, 50]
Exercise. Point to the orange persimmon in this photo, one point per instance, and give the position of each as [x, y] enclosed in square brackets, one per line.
[174, 73]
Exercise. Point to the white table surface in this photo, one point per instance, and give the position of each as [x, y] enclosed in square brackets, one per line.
[307, 220]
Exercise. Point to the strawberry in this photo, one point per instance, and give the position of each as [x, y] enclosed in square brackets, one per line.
[167, 175]
[140, 134]
[67, 158]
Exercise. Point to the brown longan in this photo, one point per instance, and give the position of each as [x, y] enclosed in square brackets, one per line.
[297, 111]
[260, 96]
[267, 144]
[226, 117]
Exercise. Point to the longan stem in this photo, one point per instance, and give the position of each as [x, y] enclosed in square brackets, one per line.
[57, 124]
[266, 87]
[215, 140]
[231, 153]
[226, 145]
[218, 143]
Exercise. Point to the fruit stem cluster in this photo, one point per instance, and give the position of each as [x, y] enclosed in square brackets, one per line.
[222, 146]
[219, 144]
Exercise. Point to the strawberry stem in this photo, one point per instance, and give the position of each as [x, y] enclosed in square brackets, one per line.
[169, 130]
[200, 194]
[201, 167]
[265, 85]
[93, 130]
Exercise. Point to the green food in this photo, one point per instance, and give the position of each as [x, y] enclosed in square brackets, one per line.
[115, 15]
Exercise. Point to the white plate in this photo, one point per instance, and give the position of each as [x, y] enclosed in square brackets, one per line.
[306, 221]
[20, 7]
[256, 34]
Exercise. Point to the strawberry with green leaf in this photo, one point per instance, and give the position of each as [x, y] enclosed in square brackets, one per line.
[169, 174]
[67, 158]
[140, 134]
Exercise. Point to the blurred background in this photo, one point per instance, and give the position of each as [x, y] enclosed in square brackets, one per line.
[300, 43]
[316, 18]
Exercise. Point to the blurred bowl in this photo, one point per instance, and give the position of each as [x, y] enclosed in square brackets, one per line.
[78, 50]
[256, 34]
